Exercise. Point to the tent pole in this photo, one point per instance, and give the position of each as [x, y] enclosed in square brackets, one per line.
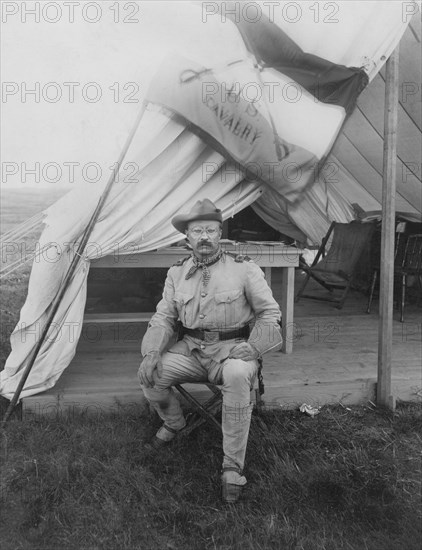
[72, 268]
[385, 327]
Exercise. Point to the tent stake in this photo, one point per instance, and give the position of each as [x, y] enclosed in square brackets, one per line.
[72, 268]
[385, 327]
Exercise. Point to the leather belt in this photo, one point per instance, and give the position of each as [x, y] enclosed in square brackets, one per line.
[216, 335]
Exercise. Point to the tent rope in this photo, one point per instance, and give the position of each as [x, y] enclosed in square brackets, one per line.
[11, 238]
[85, 258]
[15, 266]
[23, 229]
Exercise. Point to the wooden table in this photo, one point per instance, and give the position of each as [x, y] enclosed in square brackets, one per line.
[267, 256]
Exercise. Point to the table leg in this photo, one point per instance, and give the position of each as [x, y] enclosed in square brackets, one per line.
[287, 301]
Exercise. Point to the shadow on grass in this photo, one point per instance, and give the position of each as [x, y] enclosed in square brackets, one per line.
[345, 479]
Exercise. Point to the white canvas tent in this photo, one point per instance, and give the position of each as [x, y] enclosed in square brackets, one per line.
[170, 160]
[354, 167]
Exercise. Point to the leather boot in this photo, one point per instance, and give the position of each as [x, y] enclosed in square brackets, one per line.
[232, 483]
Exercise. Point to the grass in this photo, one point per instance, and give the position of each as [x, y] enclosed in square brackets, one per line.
[348, 478]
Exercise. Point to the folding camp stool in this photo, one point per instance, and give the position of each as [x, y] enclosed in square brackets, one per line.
[206, 412]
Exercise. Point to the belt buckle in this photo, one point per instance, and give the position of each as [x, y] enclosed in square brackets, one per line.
[211, 336]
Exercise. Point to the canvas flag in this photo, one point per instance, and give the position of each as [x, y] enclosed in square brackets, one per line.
[274, 110]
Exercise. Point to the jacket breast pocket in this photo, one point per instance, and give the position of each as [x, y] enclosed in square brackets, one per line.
[229, 306]
[184, 305]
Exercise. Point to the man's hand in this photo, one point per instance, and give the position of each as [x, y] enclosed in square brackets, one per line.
[244, 351]
[150, 369]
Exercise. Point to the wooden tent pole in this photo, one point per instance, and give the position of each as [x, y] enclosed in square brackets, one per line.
[72, 268]
[385, 327]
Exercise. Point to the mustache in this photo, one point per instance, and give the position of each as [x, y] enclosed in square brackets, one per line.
[204, 243]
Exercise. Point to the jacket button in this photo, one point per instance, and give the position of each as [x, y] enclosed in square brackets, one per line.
[201, 316]
[203, 294]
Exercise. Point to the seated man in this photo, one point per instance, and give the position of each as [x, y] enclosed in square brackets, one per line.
[229, 319]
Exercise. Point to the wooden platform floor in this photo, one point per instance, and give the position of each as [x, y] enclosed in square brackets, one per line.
[334, 360]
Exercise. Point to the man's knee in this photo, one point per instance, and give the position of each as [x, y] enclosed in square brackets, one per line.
[156, 394]
[237, 371]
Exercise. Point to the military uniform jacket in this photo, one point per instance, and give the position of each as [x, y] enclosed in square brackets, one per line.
[237, 294]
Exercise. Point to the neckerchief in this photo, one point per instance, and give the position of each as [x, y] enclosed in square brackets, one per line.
[197, 264]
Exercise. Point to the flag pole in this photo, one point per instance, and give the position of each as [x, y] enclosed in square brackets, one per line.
[385, 326]
[72, 268]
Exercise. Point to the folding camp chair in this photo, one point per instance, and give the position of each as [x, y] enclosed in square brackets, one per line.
[336, 269]
[411, 265]
[207, 412]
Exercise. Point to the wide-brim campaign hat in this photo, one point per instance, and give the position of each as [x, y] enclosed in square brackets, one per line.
[202, 210]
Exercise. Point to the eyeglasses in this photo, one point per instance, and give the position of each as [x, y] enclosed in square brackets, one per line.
[210, 231]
